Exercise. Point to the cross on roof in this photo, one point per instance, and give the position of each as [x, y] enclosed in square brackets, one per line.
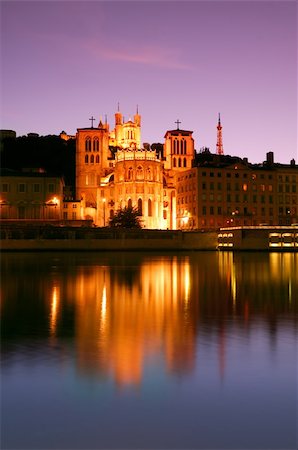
[177, 122]
[92, 120]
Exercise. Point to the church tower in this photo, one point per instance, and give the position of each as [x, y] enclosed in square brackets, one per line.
[219, 144]
[127, 134]
[179, 149]
[92, 161]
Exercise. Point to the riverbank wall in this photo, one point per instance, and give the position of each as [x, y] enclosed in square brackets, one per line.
[50, 238]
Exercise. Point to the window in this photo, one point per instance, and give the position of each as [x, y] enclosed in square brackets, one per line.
[88, 144]
[244, 187]
[211, 210]
[140, 206]
[96, 145]
[204, 212]
[174, 162]
[86, 159]
[51, 188]
[74, 216]
[36, 187]
[140, 174]
[150, 207]
[74, 205]
[129, 203]
[21, 188]
[184, 162]
[97, 159]
[129, 173]
[5, 187]
[92, 159]
[65, 215]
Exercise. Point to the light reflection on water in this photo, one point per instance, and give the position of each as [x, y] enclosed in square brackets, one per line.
[193, 350]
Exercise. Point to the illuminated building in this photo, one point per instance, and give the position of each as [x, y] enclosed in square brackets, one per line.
[30, 195]
[113, 171]
[178, 188]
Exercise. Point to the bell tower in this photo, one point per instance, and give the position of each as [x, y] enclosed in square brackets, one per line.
[179, 149]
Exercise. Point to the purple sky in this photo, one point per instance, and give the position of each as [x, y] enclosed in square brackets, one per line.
[64, 61]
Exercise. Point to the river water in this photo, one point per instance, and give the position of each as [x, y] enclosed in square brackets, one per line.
[153, 351]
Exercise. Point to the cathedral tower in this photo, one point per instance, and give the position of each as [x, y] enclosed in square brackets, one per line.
[92, 161]
[179, 149]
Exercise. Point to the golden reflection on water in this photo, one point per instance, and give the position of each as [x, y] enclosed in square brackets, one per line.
[55, 299]
[122, 313]
[127, 314]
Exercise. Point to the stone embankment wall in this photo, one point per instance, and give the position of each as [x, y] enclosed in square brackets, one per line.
[76, 239]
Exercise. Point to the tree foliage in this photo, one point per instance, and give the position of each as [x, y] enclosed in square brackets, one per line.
[51, 153]
[126, 217]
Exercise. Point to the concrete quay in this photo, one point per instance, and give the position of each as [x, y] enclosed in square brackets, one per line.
[50, 238]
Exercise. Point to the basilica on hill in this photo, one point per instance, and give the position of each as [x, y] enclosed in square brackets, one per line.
[113, 170]
[171, 184]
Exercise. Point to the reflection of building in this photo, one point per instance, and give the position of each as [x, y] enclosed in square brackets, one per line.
[119, 324]
[32, 195]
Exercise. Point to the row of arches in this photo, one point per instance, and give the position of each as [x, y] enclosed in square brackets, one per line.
[140, 206]
[179, 162]
[179, 147]
[140, 174]
[130, 134]
[91, 144]
[92, 159]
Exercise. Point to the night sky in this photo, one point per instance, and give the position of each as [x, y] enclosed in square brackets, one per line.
[64, 61]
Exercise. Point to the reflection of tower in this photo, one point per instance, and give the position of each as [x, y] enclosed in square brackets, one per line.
[219, 144]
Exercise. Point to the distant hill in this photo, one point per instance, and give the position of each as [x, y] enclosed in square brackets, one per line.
[51, 153]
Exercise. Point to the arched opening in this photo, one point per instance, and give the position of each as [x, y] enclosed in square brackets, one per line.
[129, 203]
[174, 162]
[129, 174]
[96, 145]
[140, 173]
[179, 162]
[184, 162]
[97, 159]
[175, 147]
[88, 144]
[92, 159]
[150, 207]
[86, 159]
[140, 206]
[149, 174]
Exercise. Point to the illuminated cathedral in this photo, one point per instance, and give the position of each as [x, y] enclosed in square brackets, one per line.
[113, 170]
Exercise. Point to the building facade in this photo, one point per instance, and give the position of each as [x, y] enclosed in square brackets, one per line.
[171, 185]
[177, 188]
[31, 195]
[113, 170]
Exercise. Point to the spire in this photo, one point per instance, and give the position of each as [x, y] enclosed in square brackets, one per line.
[118, 108]
[219, 144]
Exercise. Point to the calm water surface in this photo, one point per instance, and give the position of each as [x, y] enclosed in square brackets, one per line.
[132, 351]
